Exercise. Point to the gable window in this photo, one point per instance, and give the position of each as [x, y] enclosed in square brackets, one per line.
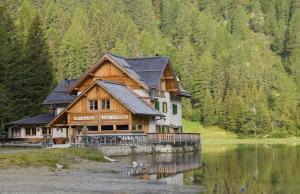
[105, 104]
[156, 105]
[165, 107]
[93, 104]
[174, 109]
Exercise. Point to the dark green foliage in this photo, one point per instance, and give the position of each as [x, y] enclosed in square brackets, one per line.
[239, 59]
[31, 76]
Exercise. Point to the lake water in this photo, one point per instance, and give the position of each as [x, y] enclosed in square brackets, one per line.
[221, 169]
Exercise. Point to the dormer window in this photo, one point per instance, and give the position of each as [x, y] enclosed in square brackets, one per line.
[93, 104]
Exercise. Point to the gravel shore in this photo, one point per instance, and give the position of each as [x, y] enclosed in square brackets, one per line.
[83, 177]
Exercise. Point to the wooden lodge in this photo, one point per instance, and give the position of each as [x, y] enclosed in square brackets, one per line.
[117, 95]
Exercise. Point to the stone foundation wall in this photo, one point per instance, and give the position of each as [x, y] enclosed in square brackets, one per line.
[144, 149]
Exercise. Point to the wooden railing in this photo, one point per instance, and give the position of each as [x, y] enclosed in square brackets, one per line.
[173, 138]
[142, 139]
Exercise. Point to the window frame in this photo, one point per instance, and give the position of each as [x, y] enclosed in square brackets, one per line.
[165, 107]
[94, 105]
[105, 104]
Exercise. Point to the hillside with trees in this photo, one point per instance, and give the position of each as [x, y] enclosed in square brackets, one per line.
[239, 59]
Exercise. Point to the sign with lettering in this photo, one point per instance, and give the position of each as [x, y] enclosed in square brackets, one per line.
[114, 117]
[85, 118]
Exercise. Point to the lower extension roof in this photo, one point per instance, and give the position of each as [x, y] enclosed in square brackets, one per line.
[41, 119]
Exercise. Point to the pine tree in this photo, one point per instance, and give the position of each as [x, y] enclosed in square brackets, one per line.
[31, 79]
[8, 56]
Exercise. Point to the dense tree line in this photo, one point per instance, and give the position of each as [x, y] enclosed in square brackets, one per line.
[239, 59]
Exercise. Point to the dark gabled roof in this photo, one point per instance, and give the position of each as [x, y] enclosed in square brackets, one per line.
[128, 98]
[60, 95]
[147, 69]
[36, 120]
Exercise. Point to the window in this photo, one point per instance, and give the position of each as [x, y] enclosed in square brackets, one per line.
[140, 127]
[158, 129]
[174, 109]
[157, 105]
[165, 129]
[122, 127]
[28, 131]
[46, 131]
[33, 131]
[165, 107]
[107, 127]
[92, 128]
[133, 127]
[105, 104]
[93, 104]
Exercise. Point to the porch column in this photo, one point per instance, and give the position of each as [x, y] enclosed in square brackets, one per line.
[70, 134]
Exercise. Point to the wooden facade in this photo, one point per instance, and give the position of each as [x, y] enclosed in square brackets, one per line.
[89, 108]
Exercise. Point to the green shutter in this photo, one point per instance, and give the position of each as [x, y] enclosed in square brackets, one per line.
[174, 108]
[157, 105]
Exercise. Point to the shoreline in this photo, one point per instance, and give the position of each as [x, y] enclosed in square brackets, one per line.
[83, 177]
[268, 141]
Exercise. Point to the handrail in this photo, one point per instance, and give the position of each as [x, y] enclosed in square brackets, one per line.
[142, 139]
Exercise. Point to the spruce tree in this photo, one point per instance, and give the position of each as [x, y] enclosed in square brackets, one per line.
[8, 56]
[32, 78]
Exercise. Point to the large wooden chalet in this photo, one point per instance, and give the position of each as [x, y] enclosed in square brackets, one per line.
[117, 95]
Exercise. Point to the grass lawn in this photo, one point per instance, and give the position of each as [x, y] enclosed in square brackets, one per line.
[207, 133]
[49, 157]
[216, 136]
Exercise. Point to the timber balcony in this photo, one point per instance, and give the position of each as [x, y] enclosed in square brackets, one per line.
[142, 139]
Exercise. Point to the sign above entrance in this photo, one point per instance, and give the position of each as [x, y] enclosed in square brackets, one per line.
[85, 118]
[114, 117]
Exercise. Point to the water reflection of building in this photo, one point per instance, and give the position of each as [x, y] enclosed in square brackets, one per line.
[165, 167]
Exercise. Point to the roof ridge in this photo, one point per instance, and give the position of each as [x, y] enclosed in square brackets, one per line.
[137, 57]
[111, 82]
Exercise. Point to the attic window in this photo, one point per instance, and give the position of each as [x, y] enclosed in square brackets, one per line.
[105, 104]
[93, 104]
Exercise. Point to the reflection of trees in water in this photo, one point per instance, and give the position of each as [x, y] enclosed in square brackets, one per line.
[250, 169]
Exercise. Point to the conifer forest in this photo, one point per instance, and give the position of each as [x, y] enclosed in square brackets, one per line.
[240, 59]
